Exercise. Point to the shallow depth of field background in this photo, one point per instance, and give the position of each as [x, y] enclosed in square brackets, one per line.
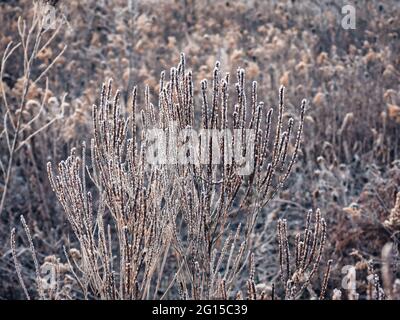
[349, 164]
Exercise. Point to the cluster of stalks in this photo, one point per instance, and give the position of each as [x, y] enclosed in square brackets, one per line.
[22, 120]
[297, 272]
[141, 216]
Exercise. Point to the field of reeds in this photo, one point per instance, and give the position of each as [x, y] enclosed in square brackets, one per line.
[183, 149]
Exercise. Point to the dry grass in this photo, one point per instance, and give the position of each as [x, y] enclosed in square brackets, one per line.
[172, 209]
[117, 227]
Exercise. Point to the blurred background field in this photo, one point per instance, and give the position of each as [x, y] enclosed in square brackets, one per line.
[349, 164]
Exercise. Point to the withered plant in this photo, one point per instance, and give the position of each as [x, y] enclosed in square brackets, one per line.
[298, 270]
[201, 215]
[22, 120]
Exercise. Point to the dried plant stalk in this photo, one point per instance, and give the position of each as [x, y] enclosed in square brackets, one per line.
[185, 205]
[309, 248]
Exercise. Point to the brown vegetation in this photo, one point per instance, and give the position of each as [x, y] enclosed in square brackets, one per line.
[118, 228]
